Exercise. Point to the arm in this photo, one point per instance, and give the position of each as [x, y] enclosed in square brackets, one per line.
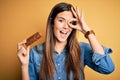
[95, 44]
[83, 27]
[95, 56]
[25, 73]
[23, 55]
[96, 61]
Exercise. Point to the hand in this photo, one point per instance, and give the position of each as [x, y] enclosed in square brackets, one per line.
[79, 19]
[23, 54]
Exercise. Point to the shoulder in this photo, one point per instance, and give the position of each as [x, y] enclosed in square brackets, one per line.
[37, 51]
[35, 57]
[38, 48]
[36, 54]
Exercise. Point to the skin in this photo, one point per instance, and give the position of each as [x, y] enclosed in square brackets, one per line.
[23, 55]
[62, 23]
[62, 30]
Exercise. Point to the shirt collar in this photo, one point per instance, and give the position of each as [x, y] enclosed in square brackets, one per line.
[62, 53]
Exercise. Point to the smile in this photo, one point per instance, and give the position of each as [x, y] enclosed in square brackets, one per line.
[63, 32]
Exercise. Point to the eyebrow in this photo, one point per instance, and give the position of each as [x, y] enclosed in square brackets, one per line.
[62, 18]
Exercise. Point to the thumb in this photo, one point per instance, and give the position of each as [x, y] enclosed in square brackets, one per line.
[72, 23]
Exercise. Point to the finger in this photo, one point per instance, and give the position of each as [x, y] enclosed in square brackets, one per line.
[28, 49]
[82, 15]
[78, 11]
[72, 26]
[74, 12]
[22, 50]
[73, 21]
[20, 44]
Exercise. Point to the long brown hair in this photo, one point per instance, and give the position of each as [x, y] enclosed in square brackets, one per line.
[73, 59]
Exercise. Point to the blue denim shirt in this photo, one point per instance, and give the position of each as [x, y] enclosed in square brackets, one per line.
[96, 61]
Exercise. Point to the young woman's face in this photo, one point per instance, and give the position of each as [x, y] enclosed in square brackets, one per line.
[61, 28]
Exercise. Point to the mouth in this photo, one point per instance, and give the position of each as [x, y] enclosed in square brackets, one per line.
[64, 32]
[63, 35]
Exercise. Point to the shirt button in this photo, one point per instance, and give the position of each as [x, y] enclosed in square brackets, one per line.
[58, 64]
[59, 78]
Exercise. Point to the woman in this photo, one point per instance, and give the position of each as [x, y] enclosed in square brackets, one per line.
[61, 57]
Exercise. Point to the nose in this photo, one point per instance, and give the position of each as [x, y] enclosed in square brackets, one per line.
[66, 26]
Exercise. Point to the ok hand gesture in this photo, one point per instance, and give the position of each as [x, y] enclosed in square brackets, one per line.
[78, 21]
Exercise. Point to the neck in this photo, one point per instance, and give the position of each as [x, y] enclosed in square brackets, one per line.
[59, 46]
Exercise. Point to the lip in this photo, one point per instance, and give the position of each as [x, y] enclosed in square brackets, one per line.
[64, 32]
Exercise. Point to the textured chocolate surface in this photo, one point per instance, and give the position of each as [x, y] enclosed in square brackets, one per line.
[33, 38]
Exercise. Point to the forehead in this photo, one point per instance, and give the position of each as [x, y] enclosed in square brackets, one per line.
[65, 14]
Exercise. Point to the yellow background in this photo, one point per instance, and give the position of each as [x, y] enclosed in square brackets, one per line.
[21, 18]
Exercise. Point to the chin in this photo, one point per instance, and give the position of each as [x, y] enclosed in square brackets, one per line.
[62, 40]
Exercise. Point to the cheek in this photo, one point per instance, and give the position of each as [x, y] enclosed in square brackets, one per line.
[56, 30]
[70, 29]
[57, 27]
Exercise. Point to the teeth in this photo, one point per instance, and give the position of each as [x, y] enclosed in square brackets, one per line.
[63, 32]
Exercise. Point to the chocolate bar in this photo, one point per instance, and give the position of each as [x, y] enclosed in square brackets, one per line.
[33, 38]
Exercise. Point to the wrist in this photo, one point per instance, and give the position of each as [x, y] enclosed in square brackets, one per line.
[89, 32]
[23, 67]
[84, 31]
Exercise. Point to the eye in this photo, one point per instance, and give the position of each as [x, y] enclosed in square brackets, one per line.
[73, 22]
[60, 20]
